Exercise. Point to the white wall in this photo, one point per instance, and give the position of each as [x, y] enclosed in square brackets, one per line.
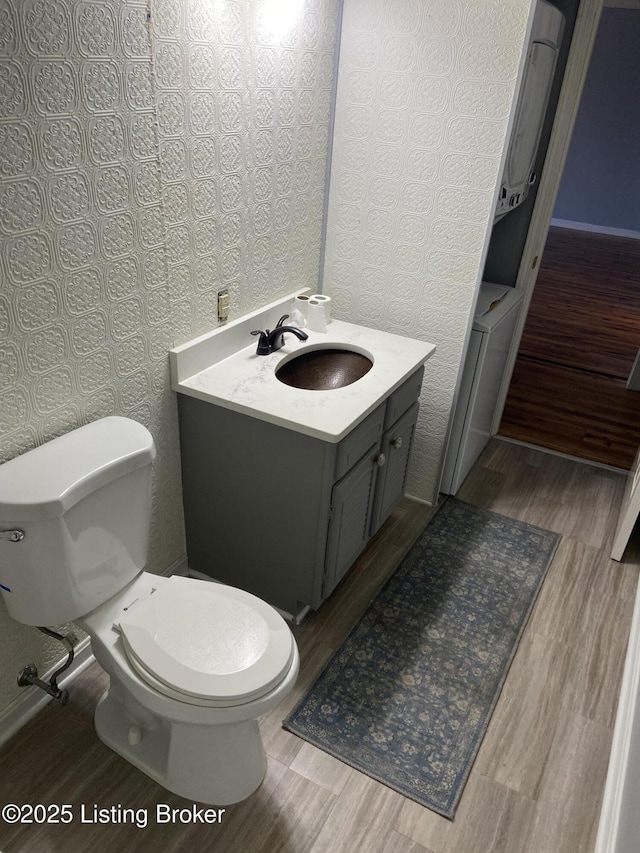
[143, 165]
[425, 90]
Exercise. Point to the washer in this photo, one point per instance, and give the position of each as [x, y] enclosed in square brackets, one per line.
[495, 319]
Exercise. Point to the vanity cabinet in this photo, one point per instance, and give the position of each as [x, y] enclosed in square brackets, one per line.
[283, 514]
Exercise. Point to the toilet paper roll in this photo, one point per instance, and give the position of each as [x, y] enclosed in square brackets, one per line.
[316, 317]
[298, 311]
[325, 301]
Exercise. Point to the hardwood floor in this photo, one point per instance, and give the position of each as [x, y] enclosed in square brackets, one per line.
[583, 414]
[568, 392]
[537, 782]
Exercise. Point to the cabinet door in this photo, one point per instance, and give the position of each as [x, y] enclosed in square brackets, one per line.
[396, 447]
[351, 504]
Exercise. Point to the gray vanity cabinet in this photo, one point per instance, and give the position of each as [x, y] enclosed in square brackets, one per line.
[367, 496]
[350, 517]
[282, 514]
[395, 448]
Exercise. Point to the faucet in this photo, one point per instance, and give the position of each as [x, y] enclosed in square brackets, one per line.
[271, 341]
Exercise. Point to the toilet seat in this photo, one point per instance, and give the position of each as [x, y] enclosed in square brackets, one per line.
[207, 644]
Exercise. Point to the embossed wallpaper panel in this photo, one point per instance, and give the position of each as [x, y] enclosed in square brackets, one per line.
[85, 318]
[243, 106]
[150, 153]
[425, 90]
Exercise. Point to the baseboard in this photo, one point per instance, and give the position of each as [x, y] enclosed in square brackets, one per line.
[619, 820]
[419, 500]
[180, 567]
[597, 229]
[32, 699]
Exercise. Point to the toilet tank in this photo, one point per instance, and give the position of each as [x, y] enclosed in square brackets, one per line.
[83, 502]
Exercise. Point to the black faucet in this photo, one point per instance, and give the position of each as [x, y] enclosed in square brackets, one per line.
[271, 341]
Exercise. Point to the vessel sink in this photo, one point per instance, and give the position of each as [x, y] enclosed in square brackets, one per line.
[324, 369]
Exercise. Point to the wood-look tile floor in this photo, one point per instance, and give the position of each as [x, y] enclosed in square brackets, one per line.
[537, 783]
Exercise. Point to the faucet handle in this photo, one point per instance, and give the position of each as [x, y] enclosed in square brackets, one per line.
[282, 319]
[263, 344]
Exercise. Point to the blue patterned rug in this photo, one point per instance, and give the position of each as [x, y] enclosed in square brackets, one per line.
[408, 696]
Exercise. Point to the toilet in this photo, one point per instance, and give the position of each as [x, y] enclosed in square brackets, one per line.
[192, 664]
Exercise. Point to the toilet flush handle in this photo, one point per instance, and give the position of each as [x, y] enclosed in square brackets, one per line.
[11, 535]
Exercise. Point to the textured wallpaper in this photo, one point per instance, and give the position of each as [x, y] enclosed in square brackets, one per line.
[150, 154]
[425, 89]
[243, 105]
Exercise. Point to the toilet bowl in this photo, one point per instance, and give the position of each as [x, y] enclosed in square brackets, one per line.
[192, 664]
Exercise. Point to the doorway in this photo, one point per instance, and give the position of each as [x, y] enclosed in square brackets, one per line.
[568, 391]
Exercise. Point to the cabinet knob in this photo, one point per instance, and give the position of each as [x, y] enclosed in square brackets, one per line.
[380, 460]
[397, 443]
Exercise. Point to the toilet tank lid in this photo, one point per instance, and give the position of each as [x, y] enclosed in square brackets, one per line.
[47, 481]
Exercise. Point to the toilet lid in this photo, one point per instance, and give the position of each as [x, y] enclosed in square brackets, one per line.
[206, 643]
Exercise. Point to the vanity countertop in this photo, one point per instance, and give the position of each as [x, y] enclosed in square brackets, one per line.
[222, 367]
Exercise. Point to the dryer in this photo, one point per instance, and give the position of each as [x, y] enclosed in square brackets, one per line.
[544, 43]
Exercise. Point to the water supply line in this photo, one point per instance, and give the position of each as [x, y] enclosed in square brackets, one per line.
[29, 674]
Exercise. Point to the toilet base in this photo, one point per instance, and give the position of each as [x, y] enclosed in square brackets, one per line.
[212, 764]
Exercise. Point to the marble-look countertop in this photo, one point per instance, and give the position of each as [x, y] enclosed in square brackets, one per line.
[222, 367]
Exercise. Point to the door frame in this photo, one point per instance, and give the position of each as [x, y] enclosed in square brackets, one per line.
[584, 34]
[633, 382]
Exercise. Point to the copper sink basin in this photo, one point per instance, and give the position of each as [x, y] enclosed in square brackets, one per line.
[324, 369]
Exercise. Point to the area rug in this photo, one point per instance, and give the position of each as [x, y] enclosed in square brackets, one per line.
[408, 696]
